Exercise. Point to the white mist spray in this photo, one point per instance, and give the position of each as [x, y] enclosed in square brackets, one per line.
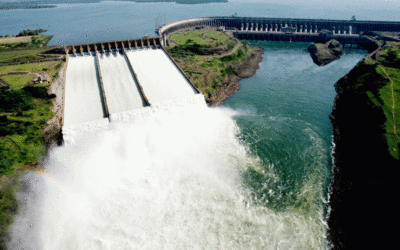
[167, 179]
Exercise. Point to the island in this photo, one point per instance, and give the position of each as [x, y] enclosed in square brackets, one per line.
[325, 53]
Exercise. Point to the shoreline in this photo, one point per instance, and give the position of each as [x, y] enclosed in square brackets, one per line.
[231, 86]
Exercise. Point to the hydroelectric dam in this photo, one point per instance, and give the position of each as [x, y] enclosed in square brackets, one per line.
[253, 174]
[116, 76]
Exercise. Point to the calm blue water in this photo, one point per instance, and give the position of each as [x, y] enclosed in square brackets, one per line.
[111, 20]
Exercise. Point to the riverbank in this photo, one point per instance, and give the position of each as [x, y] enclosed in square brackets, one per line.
[30, 115]
[365, 120]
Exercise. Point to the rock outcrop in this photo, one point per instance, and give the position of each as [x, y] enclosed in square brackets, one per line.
[323, 54]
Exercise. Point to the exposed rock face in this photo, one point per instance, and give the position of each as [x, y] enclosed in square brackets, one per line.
[364, 190]
[323, 54]
[52, 129]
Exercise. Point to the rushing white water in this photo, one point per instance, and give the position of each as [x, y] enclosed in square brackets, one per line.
[159, 77]
[169, 179]
[83, 101]
[121, 91]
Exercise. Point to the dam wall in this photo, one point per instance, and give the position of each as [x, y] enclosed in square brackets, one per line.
[263, 24]
[286, 29]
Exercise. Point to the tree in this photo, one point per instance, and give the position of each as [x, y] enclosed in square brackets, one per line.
[35, 40]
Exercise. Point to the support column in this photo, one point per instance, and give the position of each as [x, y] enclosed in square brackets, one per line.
[103, 93]
[154, 42]
[64, 80]
[74, 51]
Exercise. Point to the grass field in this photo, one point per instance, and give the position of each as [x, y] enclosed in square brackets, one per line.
[201, 37]
[380, 81]
[17, 80]
[23, 55]
[23, 48]
[50, 67]
[390, 94]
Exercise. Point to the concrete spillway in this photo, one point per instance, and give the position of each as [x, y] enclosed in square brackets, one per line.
[83, 97]
[119, 85]
[160, 79]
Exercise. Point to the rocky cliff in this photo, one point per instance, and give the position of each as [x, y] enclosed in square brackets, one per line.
[363, 194]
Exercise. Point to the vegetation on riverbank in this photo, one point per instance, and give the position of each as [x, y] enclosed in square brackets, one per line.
[365, 120]
[27, 45]
[23, 114]
[379, 80]
[208, 57]
[25, 107]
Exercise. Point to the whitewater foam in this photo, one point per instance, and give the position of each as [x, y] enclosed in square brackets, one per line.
[170, 179]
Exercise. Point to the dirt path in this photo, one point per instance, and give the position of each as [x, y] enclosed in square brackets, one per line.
[393, 113]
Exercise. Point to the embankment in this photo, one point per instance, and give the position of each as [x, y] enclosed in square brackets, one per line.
[52, 130]
[364, 214]
[231, 85]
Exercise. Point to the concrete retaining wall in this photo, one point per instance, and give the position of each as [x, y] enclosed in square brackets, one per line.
[182, 72]
[63, 87]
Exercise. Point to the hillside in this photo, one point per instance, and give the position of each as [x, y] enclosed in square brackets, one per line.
[366, 119]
